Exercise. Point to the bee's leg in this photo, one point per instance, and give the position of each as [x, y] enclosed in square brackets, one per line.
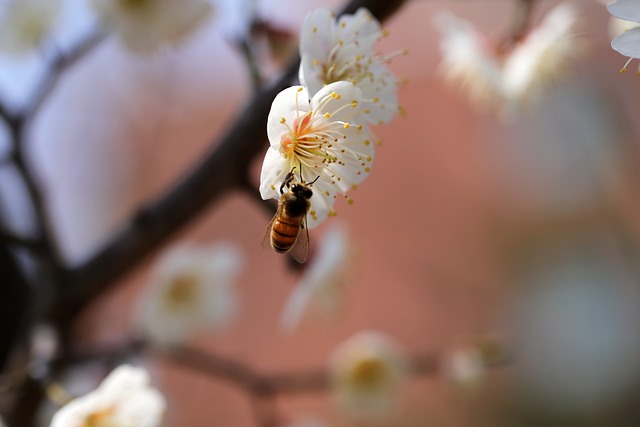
[287, 180]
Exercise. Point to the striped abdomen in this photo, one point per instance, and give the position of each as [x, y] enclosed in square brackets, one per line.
[284, 232]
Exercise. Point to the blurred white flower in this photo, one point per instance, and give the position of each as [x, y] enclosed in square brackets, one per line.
[322, 288]
[543, 56]
[191, 289]
[123, 399]
[627, 43]
[465, 367]
[145, 26]
[507, 78]
[323, 137]
[24, 24]
[343, 50]
[469, 59]
[366, 371]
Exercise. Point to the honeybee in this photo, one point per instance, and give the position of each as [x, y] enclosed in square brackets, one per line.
[287, 231]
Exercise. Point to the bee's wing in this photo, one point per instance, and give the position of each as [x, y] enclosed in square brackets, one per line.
[300, 249]
[266, 238]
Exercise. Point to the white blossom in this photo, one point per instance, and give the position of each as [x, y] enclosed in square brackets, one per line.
[343, 50]
[323, 137]
[366, 371]
[322, 288]
[468, 58]
[543, 56]
[145, 26]
[191, 289]
[124, 399]
[627, 43]
[24, 24]
[507, 77]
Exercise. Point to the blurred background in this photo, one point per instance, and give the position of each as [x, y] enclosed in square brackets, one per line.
[525, 228]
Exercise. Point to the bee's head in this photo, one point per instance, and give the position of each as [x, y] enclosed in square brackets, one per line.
[301, 190]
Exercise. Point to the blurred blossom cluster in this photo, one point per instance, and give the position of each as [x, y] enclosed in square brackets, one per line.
[367, 370]
[191, 290]
[512, 74]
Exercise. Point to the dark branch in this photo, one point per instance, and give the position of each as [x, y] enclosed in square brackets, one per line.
[219, 172]
[11, 239]
[56, 68]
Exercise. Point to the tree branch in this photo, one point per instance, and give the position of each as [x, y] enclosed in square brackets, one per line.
[220, 171]
[57, 67]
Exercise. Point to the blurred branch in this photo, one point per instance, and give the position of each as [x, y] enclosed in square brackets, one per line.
[220, 171]
[11, 239]
[18, 126]
[254, 68]
[57, 67]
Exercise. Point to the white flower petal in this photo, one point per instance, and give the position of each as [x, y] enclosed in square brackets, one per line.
[274, 170]
[629, 10]
[290, 104]
[347, 108]
[628, 43]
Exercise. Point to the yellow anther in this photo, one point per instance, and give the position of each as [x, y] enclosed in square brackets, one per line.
[367, 169]
[354, 103]
[283, 120]
[315, 62]
[369, 158]
[375, 99]
[327, 115]
[315, 29]
[327, 193]
[347, 125]
[367, 142]
[300, 89]
[359, 127]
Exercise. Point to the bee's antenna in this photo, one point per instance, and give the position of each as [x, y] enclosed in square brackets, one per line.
[313, 182]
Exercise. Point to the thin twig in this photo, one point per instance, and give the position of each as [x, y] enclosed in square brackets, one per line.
[255, 73]
[57, 67]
